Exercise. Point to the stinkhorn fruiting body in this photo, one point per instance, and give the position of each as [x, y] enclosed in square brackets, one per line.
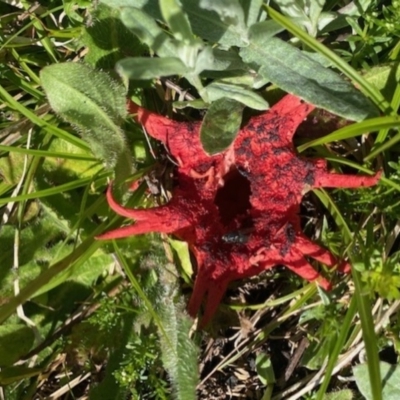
[239, 209]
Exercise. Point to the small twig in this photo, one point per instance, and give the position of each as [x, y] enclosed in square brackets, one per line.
[296, 358]
[68, 386]
[182, 93]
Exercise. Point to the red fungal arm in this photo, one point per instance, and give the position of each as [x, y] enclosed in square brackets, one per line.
[213, 291]
[156, 125]
[309, 248]
[293, 112]
[215, 294]
[326, 179]
[299, 265]
[181, 138]
[323, 178]
[164, 219]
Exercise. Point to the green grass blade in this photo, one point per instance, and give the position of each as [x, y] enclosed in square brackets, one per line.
[15, 105]
[24, 85]
[369, 336]
[47, 154]
[369, 125]
[362, 301]
[336, 214]
[384, 146]
[57, 189]
[334, 354]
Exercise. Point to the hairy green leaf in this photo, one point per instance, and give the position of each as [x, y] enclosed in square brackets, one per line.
[221, 125]
[15, 341]
[178, 351]
[252, 10]
[95, 105]
[230, 11]
[296, 73]
[304, 13]
[108, 40]
[176, 20]
[217, 90]
[149, 68]
[147, 30]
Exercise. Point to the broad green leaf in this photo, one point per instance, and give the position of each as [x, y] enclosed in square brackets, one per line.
[252, 10]
[345, 394]
[147, 30]
[108, 40]
[385, 78]
[149, 68]
[176, 20]
[182, 250]
[86, 248]
[249, 79]
[85, 271]
[230, 11]
[11, 167]
[198, 104]
[265, 370]
[15, 341]
[206, 23]
[390, 375]
[36, 237]
[305, 13]
[225, 60]
[294, 72]
[59, 170]
[204, 60]
[221, 125]
[218, 90]
[227, 27]
[180, 357]
[95, 105]
[265, 29]
[15, 374]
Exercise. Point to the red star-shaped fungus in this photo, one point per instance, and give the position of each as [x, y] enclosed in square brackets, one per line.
[238, 210]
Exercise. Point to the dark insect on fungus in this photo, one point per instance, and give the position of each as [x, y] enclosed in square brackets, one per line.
[258, 181]
[235, 237]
